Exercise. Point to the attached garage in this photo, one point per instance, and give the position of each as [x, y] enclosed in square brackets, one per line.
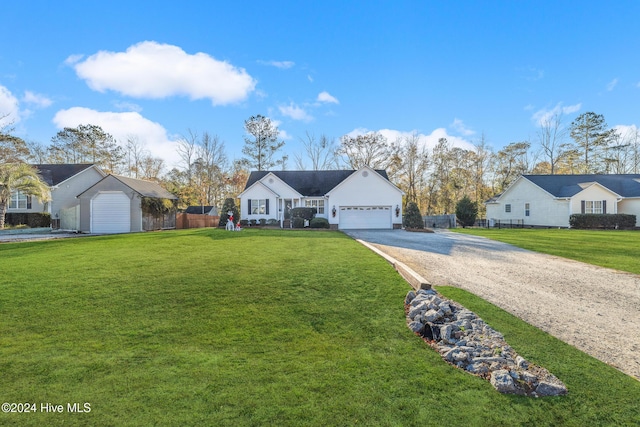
[365, 217]
[111, 213]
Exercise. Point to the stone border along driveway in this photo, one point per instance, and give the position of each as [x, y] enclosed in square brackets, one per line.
[592, 308]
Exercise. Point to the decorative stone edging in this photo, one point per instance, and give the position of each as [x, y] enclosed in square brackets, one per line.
[467, 342]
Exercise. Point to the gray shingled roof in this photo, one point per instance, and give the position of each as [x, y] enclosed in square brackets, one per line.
[309, 183]
[54, 174]
[568, 185]
[145, 188]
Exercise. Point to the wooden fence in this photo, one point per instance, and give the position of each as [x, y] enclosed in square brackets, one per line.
[185, 220]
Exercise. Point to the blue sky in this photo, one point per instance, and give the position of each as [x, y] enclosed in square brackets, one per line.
[157, 69]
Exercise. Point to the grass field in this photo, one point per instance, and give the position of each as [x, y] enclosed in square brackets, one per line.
[262, 327]
[616, 249]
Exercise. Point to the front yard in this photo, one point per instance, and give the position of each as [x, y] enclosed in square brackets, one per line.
[261, 327]
[618, 249]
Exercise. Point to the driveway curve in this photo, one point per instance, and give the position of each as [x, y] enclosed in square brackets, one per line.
[592, 308]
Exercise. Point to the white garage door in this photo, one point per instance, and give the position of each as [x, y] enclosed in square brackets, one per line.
[365, 217]
[111, 213]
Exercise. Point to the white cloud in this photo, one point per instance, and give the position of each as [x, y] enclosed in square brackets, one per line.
[612, 84]
[121, 126]
[627, 132]
[295, 112]
[9, 107]
[327, 97]
[542, 116]
[310, 78]
[278, 64]
[428, 141]
[459, 126]
[36, 99]
[153, 70]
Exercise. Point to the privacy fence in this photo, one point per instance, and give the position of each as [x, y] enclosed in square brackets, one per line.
[185, 220]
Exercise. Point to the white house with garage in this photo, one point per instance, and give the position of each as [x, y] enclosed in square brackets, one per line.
[348, 199]
[549, 200]
[65, 181]
[114, 204]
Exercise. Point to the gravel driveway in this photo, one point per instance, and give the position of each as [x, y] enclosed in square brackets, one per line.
[592, 308]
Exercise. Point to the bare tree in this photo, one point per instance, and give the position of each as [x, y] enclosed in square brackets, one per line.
[322, 153]
[135, 153]
[414, 164]
[551, 135]
[370, 149]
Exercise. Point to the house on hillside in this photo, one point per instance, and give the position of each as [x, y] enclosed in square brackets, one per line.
[348, 199]
[65, 181]
[549, 200]
[118, 204]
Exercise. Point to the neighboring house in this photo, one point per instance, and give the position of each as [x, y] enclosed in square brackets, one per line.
[549, 200]
[364, 198]
[65, 181]
[115, 205]
[202, 210]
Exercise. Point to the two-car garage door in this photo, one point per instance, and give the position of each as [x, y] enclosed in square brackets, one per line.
[365, 217]
[111, 213]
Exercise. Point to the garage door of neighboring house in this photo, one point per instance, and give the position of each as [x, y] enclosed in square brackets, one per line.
[111, 213]
[365, 217]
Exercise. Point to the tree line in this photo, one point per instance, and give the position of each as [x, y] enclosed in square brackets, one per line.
[434, 178]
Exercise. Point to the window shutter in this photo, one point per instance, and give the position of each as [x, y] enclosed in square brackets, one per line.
[249, 206]
[604, 206]
[582, 206]
[266, 206]
[28, 202]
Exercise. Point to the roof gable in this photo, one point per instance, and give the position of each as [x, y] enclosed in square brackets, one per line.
[143, 188]
[566, 186]
[55, 174]
[308, 183]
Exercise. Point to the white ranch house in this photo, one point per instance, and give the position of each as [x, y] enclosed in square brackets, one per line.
[348, 199]
[549, 200]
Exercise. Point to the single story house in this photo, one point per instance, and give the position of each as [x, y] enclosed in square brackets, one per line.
[202, 210]
[115, 205]
[549, 200]
[348, 199]
[65, 181]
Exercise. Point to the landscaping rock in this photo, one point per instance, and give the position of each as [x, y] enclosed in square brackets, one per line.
[466, 341]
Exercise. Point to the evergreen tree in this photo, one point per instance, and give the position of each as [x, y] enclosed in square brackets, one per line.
[260, 148]
[412, 216]
[229, 206]
[466, 211]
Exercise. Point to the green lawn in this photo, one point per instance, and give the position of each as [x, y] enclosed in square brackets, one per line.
[262, 327]
[616, 249]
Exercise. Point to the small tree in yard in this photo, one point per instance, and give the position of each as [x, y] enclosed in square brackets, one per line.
[228, 206]
[466, 211]
[412, 216]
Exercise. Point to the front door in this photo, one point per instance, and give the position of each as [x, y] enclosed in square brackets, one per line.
[287, 208]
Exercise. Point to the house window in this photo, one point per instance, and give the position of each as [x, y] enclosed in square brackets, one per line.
[507, 207]
[18, 200]
[527, 209]
[315, 203]
[593, 207]
[258, 207]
